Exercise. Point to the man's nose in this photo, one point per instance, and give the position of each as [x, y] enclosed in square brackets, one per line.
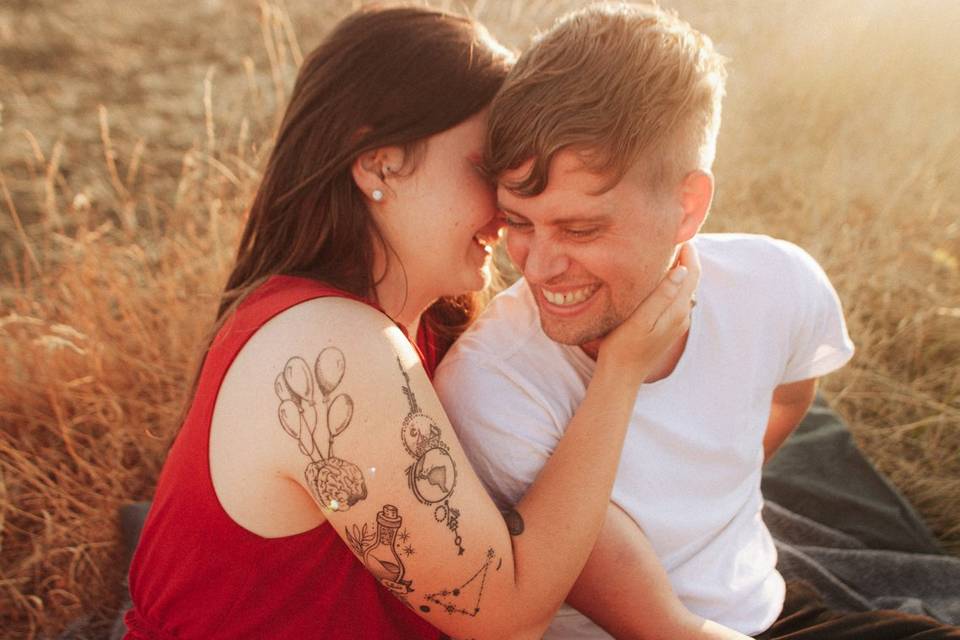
[546, 260]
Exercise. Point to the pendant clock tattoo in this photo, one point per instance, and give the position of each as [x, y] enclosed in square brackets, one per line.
[336, 484]
[379, 550]
[433, 474]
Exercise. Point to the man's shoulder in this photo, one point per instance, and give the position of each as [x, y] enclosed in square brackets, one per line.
[749, 247]
[508, 323]
[506, 355]
[744, 258]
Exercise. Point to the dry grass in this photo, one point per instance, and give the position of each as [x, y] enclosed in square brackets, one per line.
[116, 227]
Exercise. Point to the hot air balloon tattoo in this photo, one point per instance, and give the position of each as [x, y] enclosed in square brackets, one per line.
[433, 474]
[336, 483]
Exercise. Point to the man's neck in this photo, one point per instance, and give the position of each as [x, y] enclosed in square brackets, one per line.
[664, 365]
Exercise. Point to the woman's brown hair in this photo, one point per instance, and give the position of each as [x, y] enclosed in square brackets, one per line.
[385, 76]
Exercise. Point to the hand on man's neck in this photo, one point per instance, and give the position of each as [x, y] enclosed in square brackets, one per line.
[664, 366]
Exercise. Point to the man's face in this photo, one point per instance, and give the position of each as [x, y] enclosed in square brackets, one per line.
[590, 258]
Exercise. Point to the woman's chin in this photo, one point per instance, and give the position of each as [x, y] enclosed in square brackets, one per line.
[476, 280]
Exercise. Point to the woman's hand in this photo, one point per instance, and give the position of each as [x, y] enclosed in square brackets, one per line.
[658, 322]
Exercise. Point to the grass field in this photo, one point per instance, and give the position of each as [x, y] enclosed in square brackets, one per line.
[131, 136]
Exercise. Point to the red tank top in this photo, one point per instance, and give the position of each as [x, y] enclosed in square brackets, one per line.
[198, 574]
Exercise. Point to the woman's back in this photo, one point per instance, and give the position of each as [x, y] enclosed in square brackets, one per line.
[199, 573]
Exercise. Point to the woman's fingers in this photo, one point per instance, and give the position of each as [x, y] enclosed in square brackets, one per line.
[676, 315]
[673, 293]
[660, 319]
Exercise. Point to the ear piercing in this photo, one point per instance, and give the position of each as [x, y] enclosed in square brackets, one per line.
[377, 194]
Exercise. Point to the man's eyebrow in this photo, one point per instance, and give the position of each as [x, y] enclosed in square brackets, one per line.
[600, 218]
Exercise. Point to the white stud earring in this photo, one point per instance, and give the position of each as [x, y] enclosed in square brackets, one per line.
[377, 195]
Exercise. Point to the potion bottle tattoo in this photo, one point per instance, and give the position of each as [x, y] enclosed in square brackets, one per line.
[379, 552]
[433, 474]
[336, 484]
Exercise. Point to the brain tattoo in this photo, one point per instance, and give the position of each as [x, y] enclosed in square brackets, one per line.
[336, 483]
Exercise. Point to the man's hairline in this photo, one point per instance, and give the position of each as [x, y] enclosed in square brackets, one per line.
[616, 176]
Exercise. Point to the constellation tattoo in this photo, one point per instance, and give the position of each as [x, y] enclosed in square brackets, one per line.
[464, 599]
[379, 551]
[433, 474]
[336, 483]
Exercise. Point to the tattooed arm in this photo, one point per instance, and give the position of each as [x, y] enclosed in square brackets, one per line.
[353, 420]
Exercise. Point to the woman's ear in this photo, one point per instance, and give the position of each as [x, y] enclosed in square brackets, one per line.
[373, 169]
[696, 194]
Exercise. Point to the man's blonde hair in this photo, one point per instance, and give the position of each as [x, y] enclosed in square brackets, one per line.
[619, 83]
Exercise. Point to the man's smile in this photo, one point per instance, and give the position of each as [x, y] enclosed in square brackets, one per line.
[567, 301]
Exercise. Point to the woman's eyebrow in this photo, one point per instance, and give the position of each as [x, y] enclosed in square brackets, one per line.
[506, 209]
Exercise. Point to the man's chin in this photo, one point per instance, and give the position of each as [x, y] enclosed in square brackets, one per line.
[573, 336]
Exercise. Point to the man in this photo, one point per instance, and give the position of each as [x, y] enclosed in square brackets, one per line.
[602, 141]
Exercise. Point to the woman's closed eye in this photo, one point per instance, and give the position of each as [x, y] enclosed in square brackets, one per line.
[514, 222]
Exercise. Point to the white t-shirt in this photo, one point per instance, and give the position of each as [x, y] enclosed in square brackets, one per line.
[766, 315]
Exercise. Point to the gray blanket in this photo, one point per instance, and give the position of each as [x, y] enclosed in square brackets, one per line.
[842, 527]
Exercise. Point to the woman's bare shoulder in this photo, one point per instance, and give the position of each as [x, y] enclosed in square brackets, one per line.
[310, 364]
[338, 316]
[308, 349]
[339, 422]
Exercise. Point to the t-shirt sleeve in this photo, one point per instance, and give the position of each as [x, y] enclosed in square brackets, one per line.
[819, 339]
[506, 434]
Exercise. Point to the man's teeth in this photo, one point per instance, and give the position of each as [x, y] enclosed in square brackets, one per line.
[570, 297]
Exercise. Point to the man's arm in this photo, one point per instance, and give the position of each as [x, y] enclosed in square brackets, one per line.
[791, 401]
[624, 589]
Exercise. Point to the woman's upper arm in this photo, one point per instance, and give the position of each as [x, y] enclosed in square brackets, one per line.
[364, 433]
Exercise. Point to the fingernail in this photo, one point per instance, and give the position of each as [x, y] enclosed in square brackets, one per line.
[678, 275]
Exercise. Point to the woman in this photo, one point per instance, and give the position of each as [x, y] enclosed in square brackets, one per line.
[314, 434]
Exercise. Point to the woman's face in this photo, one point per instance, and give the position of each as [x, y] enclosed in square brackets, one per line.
[442, 218]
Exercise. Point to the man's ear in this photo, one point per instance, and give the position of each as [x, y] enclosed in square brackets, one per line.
[373, 169]
[696, 194]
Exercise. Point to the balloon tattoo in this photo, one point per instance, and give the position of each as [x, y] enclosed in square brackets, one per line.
[336, 483]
